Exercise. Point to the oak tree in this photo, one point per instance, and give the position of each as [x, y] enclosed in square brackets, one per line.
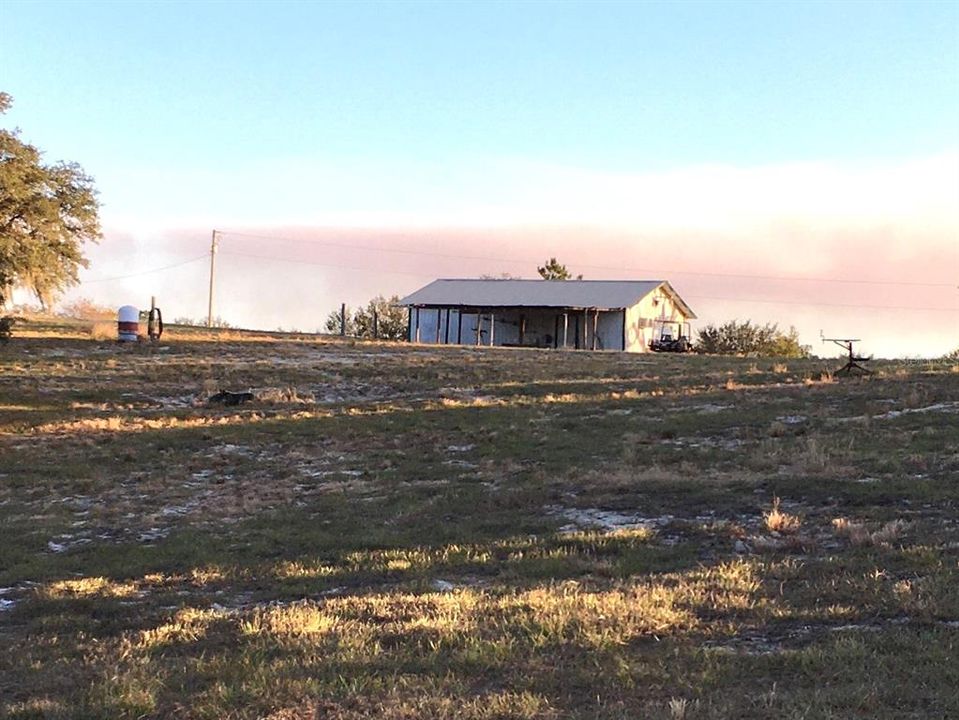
[47, 213]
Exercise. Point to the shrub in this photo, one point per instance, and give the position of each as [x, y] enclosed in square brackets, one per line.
[86, 309]
[334, 322]
[742, 338]
[218, 322]
[391, 320]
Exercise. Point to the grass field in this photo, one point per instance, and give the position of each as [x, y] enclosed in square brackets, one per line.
[390, 531]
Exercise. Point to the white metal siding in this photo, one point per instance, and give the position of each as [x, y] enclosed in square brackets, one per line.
[641, 317]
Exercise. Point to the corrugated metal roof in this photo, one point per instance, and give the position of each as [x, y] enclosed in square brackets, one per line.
[603, 294]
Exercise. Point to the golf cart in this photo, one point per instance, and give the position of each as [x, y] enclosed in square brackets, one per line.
[671, 336]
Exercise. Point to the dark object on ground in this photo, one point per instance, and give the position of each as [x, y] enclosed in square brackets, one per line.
[854, 360]
[225, 397]
[6, 327]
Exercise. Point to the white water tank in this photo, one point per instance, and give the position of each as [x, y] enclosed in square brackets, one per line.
[128, 324]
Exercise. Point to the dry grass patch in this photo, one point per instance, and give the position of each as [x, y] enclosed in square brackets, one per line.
[479, 401]
[296, 621]
[776, 520]
[555, 613]
[133, 423]
[187, 626]
[859, 535]
[90, 587]
[103, 331]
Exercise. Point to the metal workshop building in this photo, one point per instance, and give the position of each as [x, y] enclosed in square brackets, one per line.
[575, 314]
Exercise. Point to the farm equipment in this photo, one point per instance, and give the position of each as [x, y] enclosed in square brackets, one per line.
[853, 362]
[671, 336]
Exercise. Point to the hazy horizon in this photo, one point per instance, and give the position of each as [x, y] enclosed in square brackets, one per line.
[787, 163]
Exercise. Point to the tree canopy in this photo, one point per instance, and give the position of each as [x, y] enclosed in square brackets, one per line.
[47, 213]
[554, 270]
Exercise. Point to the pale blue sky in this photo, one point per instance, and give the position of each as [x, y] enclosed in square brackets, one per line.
[625, 86]
[795, 140]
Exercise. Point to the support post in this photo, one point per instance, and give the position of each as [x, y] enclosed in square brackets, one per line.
[479, 327]
[154, 323]
[343, 319]
[459, 326]
[209, 307]
[446, 336]
[522, 328]
[416, 337]
[565, 330]
[492, 328]
[555, 331]
[439, 320]
[595, 326]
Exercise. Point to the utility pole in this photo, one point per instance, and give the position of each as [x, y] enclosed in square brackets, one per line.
[213, 246]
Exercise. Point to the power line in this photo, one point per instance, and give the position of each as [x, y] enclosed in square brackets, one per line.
[321, 264]
[146, 272]
[274, 258]
[461, 257]
[818, 304]
[213, 248]
[516, 261]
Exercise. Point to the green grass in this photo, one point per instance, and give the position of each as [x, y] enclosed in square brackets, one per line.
[421, 534]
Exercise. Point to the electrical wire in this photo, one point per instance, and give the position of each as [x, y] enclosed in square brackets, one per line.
[426, 253]
[819, 304]
[699, 297]
[147, 272]
[321, 264]
[273, 258]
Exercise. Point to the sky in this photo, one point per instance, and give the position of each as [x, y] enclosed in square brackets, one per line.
[795, 163]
